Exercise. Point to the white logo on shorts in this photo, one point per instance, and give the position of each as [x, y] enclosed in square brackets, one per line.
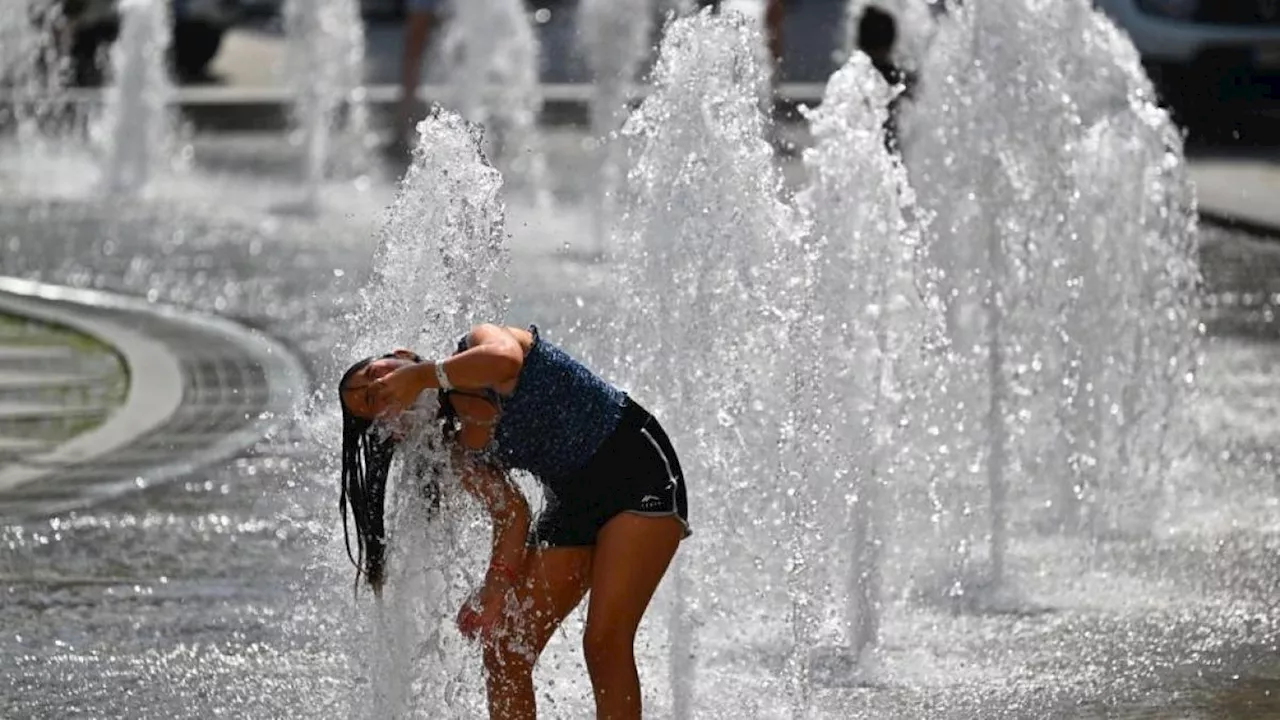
[649, 500]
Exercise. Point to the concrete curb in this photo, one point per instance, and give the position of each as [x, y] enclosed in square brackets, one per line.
[286, 381]
[1229, 221]
[1238, 192]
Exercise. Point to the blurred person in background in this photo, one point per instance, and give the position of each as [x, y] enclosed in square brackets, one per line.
[774, 13]
[422, 17]
[878, 37]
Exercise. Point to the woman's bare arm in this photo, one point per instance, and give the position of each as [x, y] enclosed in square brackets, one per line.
[493, 357]
[510, 514]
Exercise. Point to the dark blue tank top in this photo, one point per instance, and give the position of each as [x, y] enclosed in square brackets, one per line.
[558, 416]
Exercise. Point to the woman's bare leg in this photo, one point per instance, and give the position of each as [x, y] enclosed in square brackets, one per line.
[775, 12]
[632, 555]
[554, 581]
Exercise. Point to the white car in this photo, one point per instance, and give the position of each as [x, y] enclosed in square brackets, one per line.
[1198, 50]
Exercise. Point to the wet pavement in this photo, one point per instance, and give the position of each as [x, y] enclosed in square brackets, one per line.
[214, 595]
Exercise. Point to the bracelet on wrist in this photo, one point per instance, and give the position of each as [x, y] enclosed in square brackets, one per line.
[442, 378]
[504, 571]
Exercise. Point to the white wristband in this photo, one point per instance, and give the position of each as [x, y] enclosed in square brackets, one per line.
[442, 378]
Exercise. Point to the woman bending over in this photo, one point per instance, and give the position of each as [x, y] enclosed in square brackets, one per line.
[617, 510]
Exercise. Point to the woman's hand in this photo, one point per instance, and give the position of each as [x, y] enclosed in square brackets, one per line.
[482, 613]
[397, 390]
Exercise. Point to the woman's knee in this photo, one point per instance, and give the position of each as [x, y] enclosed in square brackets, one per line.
[606, 645]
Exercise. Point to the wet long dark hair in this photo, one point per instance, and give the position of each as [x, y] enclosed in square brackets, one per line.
[367, 453]
[366, 460]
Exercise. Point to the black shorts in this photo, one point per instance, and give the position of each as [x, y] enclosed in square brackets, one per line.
[634, 470]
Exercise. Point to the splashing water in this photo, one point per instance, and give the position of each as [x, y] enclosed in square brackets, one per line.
[706, 247]
[1069, 315]
[753, 13]
[137, 128]
[325, 71]
[491, 60]
[443, 246]
[864, 349]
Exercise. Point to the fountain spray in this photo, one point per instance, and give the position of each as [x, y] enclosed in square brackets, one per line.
[30, 69]
[866, 347]
[325, 72]
[704, 243]
[491, 61]
[1007, 259]
[439, 255]
[617, 36]
[137, 127]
